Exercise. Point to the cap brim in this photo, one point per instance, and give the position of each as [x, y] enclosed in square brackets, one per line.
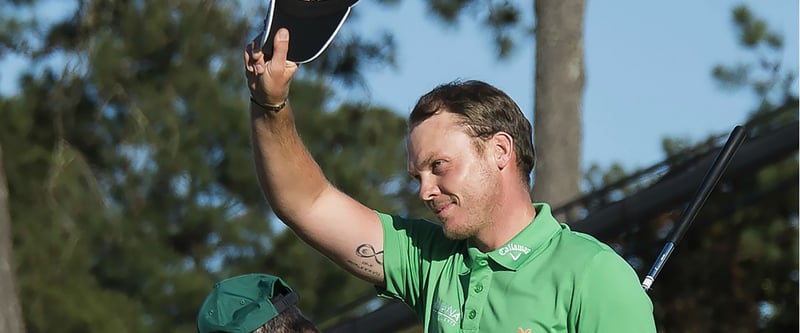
[310, 36]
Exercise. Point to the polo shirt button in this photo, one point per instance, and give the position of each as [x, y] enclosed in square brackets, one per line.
[472, 314]
[482, 262]
[478, 288]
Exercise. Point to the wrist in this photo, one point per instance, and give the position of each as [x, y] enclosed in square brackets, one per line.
[269, 107]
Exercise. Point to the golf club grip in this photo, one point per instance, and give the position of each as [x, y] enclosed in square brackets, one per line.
[710, 180]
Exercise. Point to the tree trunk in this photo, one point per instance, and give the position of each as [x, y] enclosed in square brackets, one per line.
[558, 100]
[10, 313]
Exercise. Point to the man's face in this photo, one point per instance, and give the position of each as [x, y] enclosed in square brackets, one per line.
[456, 181]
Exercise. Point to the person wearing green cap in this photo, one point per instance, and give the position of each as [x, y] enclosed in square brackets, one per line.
[495, 261]
[258, 303]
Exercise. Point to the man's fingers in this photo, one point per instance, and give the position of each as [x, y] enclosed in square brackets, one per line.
[273, 86]
[254, 58]
[279, 51]
[248, 50]
[255, 51]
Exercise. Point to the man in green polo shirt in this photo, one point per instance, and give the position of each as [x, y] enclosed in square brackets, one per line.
[494, 262]
[545, 279]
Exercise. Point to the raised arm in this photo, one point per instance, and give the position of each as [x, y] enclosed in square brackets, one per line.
[297, 190]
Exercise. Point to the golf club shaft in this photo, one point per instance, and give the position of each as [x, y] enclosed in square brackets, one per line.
[710, 180]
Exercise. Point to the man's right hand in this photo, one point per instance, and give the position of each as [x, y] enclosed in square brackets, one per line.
[269, 80]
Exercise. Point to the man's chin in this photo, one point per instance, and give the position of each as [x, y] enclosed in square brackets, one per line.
[450, 233]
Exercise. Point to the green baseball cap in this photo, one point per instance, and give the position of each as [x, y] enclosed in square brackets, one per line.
[243, 303]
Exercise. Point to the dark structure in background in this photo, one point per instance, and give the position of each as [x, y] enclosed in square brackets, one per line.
[670, 183]
[754, 154]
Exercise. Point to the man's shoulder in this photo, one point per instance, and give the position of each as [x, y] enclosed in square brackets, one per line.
[566, 241]
[580, 246]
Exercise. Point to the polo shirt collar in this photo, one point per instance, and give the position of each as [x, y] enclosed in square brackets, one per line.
[526, 244]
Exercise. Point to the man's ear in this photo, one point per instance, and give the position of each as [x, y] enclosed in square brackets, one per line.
[502, 148]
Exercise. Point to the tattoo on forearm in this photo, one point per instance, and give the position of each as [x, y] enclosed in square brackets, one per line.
[368, 251]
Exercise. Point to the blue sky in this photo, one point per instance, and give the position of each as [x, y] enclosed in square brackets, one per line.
[648, 68]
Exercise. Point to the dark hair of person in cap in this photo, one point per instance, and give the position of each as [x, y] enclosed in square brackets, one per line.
[258, 303]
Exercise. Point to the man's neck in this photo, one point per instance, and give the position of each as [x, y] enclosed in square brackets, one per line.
[513, 213]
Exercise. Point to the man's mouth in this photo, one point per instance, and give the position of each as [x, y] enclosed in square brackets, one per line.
[441, 209]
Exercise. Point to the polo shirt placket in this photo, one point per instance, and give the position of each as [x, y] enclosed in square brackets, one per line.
[513, 255]
[480, 281]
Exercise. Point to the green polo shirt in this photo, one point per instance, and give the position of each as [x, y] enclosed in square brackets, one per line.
[546, 279]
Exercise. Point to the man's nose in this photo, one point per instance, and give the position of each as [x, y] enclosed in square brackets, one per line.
[428, 189]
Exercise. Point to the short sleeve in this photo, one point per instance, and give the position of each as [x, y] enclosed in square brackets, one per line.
[409, 248]
[611, 298]
[398, 256]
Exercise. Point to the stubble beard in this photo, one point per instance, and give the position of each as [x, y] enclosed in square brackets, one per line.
[473, 218]
[472, 221]
[458, 231]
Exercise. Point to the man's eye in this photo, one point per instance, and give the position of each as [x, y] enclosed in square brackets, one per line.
[436, 164]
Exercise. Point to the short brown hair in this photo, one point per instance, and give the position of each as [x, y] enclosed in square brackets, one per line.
[485, 111]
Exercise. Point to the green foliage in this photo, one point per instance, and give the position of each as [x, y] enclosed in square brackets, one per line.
[766, 75]
[132, 187]
[345, 60]
[596, 177]
[503, 18]
[754, 31]
[14, 28]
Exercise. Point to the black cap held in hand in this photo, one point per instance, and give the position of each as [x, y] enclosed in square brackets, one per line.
[312, 25]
